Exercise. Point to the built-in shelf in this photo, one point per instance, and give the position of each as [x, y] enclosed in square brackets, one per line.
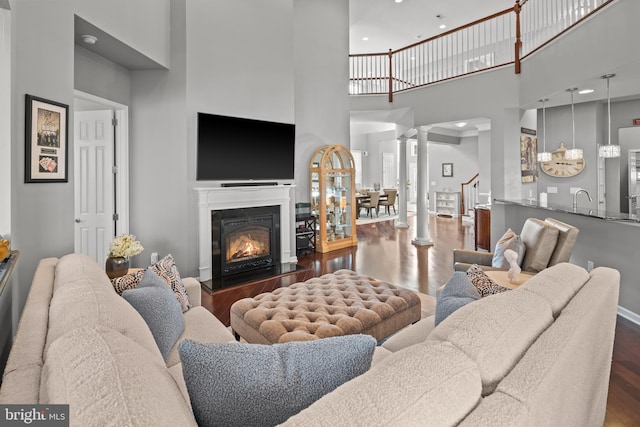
[447, 203]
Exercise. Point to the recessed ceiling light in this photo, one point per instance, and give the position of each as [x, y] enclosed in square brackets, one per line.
[89, 39]
[461, 124]
[365, 38]
[398, 1]
[585, 91]
[442, 26]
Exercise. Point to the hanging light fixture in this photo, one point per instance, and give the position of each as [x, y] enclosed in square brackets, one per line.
[574, 153]
[609, 151]
[544, 156]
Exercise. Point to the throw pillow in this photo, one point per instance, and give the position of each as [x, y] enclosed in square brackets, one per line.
[166, 268]
[128, 281]
[458, 292]
[263, 385]
[483, 283]
[510, 240]
[158, 307]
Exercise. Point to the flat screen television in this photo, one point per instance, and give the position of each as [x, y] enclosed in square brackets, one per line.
[241, 149]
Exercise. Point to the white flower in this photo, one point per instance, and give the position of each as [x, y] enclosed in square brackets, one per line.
[125, 245]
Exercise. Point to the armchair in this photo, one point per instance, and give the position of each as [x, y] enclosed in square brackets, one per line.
[547, 243]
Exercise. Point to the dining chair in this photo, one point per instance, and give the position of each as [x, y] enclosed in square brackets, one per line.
[390, 200]
[371, 203]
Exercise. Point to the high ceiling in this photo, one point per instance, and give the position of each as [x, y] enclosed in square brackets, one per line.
[391, 25]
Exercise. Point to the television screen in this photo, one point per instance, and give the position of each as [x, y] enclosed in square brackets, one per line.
[234, 148]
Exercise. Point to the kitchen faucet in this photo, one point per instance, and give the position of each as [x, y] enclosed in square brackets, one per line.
[575, 197]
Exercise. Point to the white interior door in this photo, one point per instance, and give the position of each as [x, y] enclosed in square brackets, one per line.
[94, 183]
[413, 181]
[388, 170]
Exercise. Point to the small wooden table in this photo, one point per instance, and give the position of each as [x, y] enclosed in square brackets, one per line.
[501, 278]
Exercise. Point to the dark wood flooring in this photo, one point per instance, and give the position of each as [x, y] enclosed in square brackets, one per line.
[386, 252]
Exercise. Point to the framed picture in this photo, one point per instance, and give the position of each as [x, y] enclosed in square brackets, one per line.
[46, 144]
[528, 158]
[447, 170]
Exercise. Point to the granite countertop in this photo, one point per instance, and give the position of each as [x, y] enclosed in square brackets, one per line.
[592, 213]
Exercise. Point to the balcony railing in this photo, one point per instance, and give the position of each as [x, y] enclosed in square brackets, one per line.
[497, 40]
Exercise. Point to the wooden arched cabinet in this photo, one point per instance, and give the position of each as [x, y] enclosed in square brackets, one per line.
[332, 176]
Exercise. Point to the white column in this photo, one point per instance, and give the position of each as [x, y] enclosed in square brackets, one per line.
[422, 207]
[402, 222]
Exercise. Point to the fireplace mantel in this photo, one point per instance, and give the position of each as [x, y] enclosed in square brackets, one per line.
[220, 198]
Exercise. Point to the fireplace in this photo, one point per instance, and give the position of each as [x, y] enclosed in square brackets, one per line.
[213, 199]
[244, 242]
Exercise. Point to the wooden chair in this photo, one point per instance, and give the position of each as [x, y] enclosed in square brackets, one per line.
[390, 200]
[372, 203]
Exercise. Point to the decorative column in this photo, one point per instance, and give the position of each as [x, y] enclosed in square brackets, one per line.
[402, 222]
[422, 188]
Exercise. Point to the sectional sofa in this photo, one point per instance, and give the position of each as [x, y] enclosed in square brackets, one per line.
[537, 355]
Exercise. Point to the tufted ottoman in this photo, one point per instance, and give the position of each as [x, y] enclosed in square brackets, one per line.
[339, 303]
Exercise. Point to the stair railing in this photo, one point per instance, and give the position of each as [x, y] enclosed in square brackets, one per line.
[469, 194]
[481, 45]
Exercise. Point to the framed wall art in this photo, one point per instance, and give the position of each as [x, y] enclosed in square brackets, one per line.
[447, 170]
[46, 143]
[528, 156]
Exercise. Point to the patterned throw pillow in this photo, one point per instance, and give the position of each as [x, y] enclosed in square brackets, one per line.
[128, 281]
[165, 268]
[483, 283]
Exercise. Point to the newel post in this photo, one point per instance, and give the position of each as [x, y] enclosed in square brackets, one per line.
[516, 8]
[390, 75]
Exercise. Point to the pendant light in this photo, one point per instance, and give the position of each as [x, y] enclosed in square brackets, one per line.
[544, 156]
[574, 153]
[609, 151]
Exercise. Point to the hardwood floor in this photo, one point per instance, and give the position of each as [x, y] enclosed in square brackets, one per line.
[386, 252]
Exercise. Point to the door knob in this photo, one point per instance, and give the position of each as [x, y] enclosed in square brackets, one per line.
[78, 220]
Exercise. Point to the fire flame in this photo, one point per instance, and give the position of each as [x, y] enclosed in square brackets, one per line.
[245, 247]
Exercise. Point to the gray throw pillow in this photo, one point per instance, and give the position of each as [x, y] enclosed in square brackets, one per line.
[509, 240]
[240, 384]
[158, 306]
[458, 292]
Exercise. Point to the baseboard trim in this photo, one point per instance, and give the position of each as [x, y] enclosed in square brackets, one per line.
[629, 315]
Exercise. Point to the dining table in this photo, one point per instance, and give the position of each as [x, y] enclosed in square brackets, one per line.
[364, 197]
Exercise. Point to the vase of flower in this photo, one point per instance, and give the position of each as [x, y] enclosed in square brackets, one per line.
[121, 249]
[116, 266]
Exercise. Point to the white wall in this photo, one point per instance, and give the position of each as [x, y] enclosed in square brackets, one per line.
[464, 157]
[5, 120]
[321, 73]
[42, 214]
[99, 76]
[141, 24]
[594, 48]
[588, 118]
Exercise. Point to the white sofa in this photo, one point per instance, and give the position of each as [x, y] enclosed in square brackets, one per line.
[538, 355]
